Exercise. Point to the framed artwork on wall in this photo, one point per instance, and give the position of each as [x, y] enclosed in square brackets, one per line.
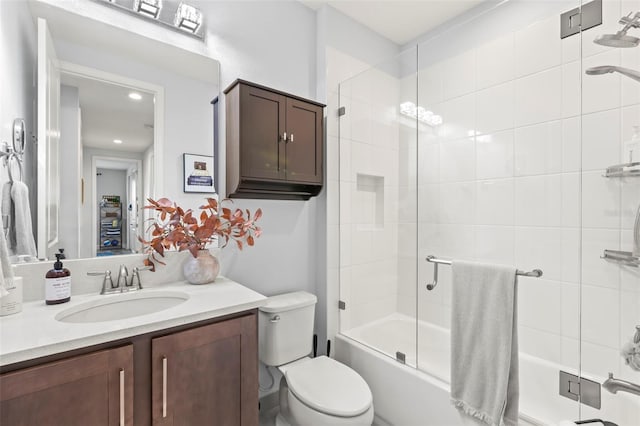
[198, 173]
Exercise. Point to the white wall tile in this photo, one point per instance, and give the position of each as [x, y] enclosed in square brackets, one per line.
[532, 297]
[538, 47]
[458, 75]
[429, 86]
[597, 328]
[539, 248]
[571, 89]
[539, 97]
[457, 202]
[538, 200]
[495, 244]
[600, 201]
[630, 88]
[494, 155]
[570, 255]
[597, 271]
[494, 108]
[601, 140]
[495, 62]
[571, 310]
[571, 144]
[538, 149]
[571, 200]
[495, 202]
[457, 160]
[630, 123]
[600, 92]
[458, 117]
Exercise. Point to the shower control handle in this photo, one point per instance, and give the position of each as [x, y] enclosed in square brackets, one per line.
[275, 318]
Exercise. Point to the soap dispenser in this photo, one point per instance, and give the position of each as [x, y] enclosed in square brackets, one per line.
[632, 147]
[58, 282]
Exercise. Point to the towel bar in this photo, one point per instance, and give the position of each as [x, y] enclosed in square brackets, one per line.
[537, 273]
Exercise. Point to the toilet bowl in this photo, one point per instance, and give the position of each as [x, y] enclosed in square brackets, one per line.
[313, 391]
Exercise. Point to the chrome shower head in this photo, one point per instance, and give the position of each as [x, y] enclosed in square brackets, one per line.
[619, 39]
[604, 69]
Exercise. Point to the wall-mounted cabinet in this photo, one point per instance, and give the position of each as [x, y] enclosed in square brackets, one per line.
[274, 143]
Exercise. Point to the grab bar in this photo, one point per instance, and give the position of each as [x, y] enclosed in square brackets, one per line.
[536, 273]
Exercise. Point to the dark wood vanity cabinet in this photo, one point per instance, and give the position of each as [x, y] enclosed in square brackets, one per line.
[197, 374]
[95, 388]
[205, 376]
[274, 143]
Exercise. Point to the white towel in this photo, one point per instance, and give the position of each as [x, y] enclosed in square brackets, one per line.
[25, 243]
[484, 342]
[6, 271]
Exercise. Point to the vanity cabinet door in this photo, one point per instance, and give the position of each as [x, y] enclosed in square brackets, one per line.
[95, 389]
[206, 375]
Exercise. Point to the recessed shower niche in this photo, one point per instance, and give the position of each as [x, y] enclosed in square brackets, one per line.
[369, 202]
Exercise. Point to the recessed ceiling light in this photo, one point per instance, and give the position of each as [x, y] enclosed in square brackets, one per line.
[135, 96]
[118, 141]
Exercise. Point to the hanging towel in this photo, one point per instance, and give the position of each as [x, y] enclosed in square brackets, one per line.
[6, 271]
[24, 242]
[484, 342]
[6, 208]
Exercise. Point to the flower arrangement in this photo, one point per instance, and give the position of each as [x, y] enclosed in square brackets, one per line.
[183, 230]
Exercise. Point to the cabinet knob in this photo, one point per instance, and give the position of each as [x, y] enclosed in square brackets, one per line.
[291, 138]
[284, 136]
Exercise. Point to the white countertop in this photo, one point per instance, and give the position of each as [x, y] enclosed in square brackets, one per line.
[35, 332]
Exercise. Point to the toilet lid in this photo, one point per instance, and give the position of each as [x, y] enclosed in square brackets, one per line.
[329, 387]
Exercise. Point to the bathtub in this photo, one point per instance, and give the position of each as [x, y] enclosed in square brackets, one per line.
[417, 392]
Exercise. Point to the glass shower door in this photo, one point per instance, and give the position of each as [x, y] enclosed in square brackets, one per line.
[378, 237]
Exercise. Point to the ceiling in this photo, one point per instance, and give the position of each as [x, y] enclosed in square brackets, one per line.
[108, 113]
[399, 20]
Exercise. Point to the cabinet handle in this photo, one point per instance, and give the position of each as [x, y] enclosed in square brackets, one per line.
[284, 136]
[291, 138]
[164, 386]
[121, 397]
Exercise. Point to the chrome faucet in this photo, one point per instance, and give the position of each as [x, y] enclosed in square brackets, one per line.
[614, 385]
[135, 277]
[123, 273]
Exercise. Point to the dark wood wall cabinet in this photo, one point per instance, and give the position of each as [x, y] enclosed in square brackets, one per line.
[204, 374]
[274, 143]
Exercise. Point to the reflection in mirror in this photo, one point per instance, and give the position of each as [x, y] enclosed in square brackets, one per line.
[109, 128]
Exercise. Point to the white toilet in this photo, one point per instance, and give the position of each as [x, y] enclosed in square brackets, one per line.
[313, 391]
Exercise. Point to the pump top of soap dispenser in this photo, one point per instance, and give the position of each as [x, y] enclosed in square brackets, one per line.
[57, 264]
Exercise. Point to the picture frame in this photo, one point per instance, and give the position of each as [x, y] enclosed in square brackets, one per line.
[198, 173]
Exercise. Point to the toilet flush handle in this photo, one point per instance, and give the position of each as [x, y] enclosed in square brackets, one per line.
[275, 318]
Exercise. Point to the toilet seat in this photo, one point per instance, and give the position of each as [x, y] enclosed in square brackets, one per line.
[329, 387]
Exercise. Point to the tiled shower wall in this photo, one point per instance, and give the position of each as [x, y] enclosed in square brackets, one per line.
[369, 174]
[514, 176]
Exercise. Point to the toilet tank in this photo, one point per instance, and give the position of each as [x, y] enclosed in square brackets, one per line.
[285, 327]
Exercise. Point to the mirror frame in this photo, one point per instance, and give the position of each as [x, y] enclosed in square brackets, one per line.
[158, 125]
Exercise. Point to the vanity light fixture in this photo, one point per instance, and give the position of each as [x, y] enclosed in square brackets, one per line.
[188, 18]
[150, 8]
[174, 15]
[118, 141]
[411, 110]
[135, 96]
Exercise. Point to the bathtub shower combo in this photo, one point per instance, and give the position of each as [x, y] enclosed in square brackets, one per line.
[494, 139]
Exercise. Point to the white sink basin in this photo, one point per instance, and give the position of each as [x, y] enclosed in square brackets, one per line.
[121, 306]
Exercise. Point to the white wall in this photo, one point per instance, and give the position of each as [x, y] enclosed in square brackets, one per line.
[18, 51]
[71, 170]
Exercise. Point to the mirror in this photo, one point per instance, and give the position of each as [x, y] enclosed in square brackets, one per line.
[84, 86]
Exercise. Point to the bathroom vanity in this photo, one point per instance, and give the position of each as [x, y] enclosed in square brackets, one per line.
[193, 363]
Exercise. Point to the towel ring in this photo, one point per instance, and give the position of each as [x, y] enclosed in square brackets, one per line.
[8, 162]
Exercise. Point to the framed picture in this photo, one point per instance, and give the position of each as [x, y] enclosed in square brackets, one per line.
[198, 173]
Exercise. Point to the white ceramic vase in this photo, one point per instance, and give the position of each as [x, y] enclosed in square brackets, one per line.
[202, 269]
